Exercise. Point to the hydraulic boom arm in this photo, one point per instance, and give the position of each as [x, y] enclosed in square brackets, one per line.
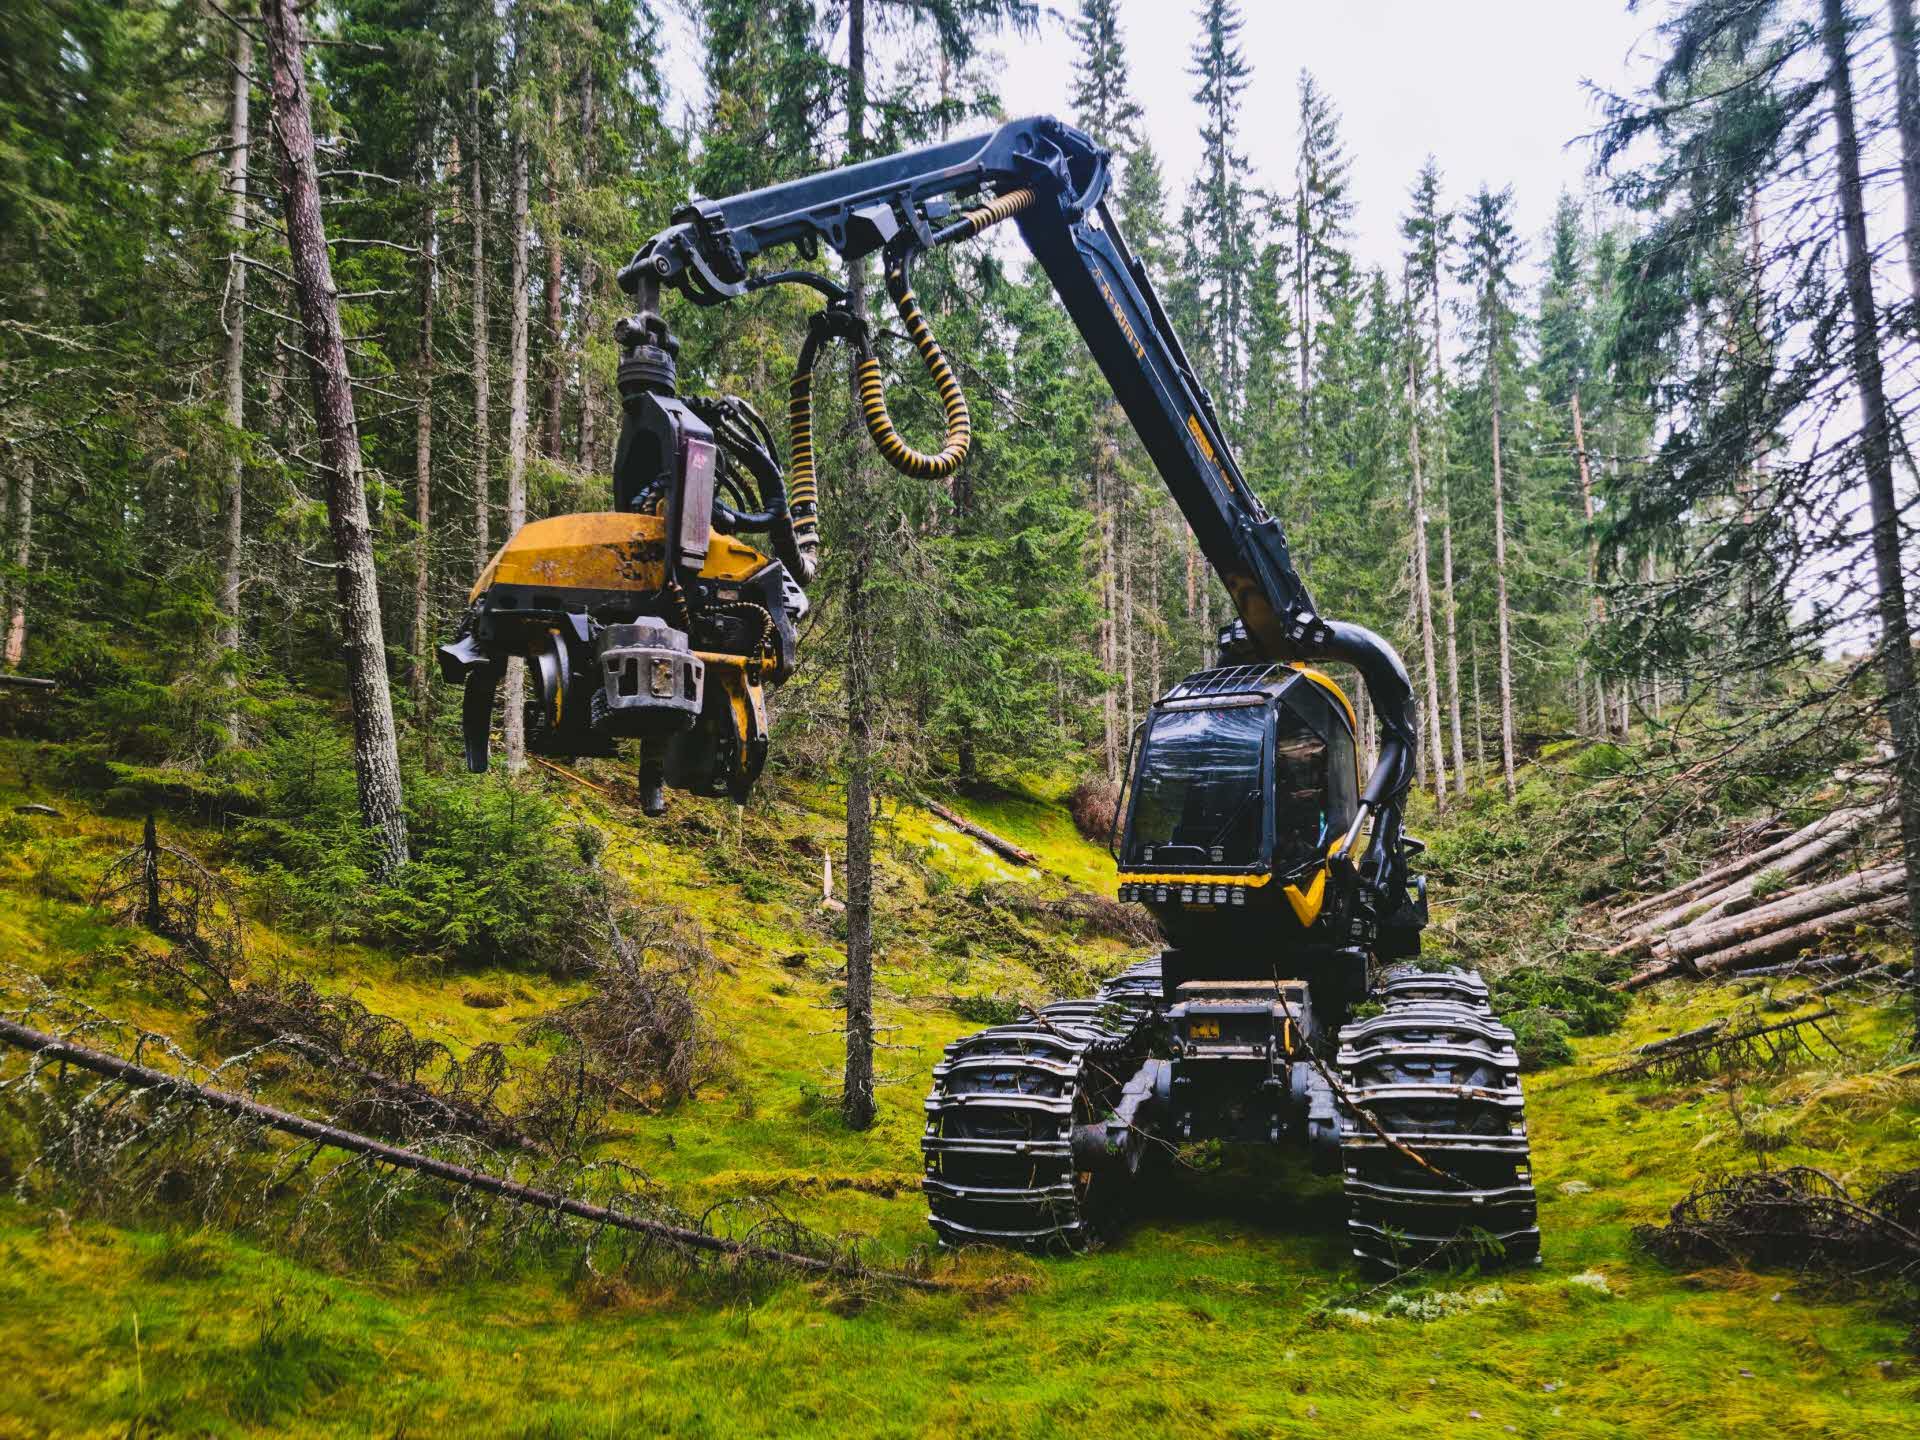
[1053, 180]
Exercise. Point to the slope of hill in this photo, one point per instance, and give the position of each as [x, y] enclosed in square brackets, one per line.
[1228, 1307]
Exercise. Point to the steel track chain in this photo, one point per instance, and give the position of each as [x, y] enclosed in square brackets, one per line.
[999, 1132]
[1440, 1076]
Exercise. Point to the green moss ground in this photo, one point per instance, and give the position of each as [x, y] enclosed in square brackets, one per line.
[1225, 1310]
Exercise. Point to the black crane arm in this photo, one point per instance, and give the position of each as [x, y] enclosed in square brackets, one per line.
[903, 204]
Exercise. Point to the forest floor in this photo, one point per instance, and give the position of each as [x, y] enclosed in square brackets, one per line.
[1229, 1307]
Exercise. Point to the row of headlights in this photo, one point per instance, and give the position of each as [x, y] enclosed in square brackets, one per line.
[1185, 894]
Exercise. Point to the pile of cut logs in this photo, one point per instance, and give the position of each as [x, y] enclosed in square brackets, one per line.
[1769, 903]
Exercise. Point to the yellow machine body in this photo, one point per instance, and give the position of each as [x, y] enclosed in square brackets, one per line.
[604, 552]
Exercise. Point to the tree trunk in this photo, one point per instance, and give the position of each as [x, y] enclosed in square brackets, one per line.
[1907, 112]
[1422, 585]
[1598, 606]
[589, 280]
[555, 338]
[1500, 577]
[482, 362]
[239, 125]
[1479, 728]
[857, 1099]
[419, 652]
[1448, 604]
[22, 555]
[1896, 633]
[376, 752]
[515, 688]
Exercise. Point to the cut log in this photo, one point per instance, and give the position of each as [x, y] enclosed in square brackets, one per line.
[1788, 910]
[1685, 1037]
[1705, 903]
[1852, 819]
[1647, 974]
[1004, 848]
[1779, 942]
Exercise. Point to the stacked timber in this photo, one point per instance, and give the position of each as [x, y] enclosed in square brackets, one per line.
[1769, 904]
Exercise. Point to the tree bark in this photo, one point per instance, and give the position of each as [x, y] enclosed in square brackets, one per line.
[22, 554]
[1103, 482]
[555, 337]
[376, 752]
[1907, 114]
[1896, 632]
[239, 138]
[515, 688]
[1448, 604]
[482, 361]
[1765, 947]
[1598, 606]
[857, 1098]
[1500, 571]
[589, 281]
[419, 652]
[1422, 585]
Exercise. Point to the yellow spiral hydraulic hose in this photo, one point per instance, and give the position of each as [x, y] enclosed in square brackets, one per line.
[803, 485]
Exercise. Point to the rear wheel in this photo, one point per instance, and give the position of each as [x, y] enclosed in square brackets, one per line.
[1433, 1134]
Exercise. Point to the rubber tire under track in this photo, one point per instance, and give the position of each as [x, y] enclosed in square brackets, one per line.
[1439, 1074]
[1000, 1118]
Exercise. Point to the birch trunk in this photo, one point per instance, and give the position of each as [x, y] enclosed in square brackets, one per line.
[515, 688]
[482, 360]
[1896, 633]
[375, 750]
[856, 1098]
[239, 138]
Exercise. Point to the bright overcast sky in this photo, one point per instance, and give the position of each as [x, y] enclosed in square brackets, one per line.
[1492, 88]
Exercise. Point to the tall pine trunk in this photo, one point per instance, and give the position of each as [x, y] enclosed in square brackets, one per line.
[856, 1098]
[22, 537]
[515, 728]
[1449, 606]
[1907, 86]
[1598, 606]
[1896, 632]
[418, 653]
[239, 124]
[555, 336]
[589, 280]
[1422, 581]
[1500, 580]
[1104, 480]
[482, 359]
[376, 752]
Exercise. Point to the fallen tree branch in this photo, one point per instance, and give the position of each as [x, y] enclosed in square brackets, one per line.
[1000, 846]
[1690, 1055]
[53, 1047]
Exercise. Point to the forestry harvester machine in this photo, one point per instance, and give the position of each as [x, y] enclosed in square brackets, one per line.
[1279, 879]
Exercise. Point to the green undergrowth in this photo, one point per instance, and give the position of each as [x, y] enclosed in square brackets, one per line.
[1228, 1307]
